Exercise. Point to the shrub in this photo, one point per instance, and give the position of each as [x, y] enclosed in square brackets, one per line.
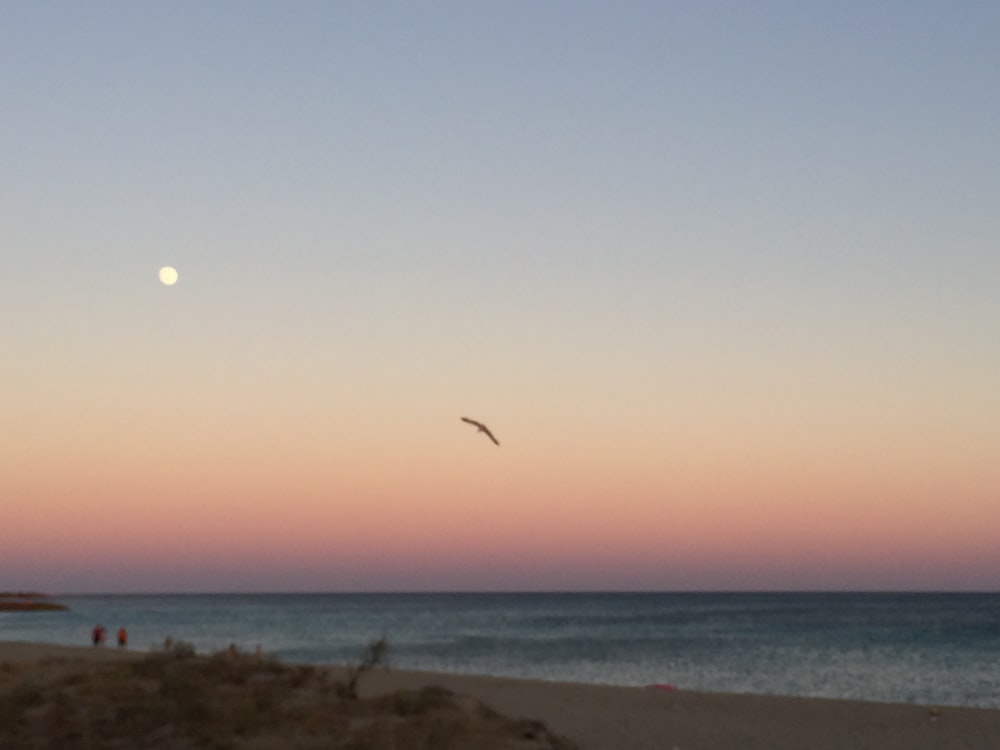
[375, 654]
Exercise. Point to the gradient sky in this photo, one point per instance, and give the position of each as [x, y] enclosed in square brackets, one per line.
[723, 278]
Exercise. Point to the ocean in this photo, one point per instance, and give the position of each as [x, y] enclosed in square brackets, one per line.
[941, 649]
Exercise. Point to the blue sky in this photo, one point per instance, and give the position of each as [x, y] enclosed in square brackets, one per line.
[712, 234]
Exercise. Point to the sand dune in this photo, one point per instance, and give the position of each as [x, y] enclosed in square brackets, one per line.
[595, 717]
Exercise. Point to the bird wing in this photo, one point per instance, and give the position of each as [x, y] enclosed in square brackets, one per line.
[482, 428]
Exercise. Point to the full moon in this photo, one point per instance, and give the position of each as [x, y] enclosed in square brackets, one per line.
[168, 275]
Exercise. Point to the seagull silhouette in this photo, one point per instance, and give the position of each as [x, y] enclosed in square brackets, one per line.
[482, 428]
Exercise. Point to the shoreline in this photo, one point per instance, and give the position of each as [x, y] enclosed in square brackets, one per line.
[29, 601]
[32, 606]
[598, 717]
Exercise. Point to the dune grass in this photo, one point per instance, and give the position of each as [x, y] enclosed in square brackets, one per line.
[177, 700]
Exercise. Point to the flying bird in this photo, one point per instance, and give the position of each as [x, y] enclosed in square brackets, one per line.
[482, 428]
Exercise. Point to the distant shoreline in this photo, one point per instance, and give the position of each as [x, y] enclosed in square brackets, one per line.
[28, 601]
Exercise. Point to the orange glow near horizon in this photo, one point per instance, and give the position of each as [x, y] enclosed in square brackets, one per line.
[348, 511]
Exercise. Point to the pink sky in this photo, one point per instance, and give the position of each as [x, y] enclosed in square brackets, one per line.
[136, 497]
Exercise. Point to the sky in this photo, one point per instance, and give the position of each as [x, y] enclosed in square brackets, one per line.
[721, 277]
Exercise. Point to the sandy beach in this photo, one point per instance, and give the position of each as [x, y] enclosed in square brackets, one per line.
[596, 717]
[599, 717]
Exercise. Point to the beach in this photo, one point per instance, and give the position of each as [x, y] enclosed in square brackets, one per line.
[596, 717]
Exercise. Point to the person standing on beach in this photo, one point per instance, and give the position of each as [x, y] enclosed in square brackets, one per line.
[122, 637]
[97, 636]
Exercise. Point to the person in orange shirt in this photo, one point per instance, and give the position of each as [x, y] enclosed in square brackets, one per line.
[122, 636]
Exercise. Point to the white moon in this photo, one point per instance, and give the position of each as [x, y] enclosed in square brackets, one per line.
[168, 275]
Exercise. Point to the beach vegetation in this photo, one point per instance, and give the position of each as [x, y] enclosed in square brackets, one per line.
[375, 654]
[168, 700]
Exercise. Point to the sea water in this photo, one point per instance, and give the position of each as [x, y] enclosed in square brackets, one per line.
[914, 648]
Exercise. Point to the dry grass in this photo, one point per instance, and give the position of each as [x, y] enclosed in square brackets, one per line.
[232, 701]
